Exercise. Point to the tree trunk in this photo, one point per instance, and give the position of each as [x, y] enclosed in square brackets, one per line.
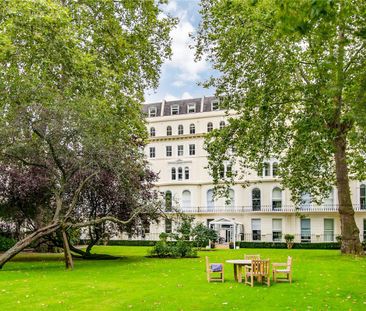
[350, 233]
[68, 258]
[22, 244]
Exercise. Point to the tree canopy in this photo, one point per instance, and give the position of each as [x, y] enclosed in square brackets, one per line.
[294, 73]
[72, 77]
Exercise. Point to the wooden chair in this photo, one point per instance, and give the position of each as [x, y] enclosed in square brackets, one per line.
[258, 269]
[251, 257]
[213, 269]
[287, 270]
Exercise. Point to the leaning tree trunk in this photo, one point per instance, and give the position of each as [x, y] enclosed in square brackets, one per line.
[350, 233]
[22, 244]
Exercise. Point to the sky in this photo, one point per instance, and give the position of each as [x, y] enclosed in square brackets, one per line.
[180, 75]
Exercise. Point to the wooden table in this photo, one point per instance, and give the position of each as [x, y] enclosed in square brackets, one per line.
[238, 265]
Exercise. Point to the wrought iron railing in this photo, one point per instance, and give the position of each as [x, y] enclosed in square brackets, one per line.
[263, 209]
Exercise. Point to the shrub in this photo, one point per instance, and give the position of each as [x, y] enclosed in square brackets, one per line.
[6, 243]
[202, 235]
[161, 249]
[289, 238]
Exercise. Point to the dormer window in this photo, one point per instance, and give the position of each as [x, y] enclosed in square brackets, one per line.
[175, 109]
[214, 105]
[152, 112]
[191, 108]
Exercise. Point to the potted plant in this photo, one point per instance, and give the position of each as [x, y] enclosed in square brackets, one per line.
[231, 245]
[289, 238]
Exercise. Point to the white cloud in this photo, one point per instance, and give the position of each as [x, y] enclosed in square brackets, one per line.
[186, 95]
[171, 7]
[169, 97]
[183, 54]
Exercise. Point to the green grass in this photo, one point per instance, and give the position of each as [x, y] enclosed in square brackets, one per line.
[323, 280]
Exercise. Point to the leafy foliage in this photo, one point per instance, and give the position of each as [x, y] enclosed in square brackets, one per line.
[202, 235]
[6, 243]
[282, 65]
[179, 249]
[294, 72]
[72, 75]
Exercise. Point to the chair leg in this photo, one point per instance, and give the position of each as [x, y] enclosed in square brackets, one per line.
[252, 280]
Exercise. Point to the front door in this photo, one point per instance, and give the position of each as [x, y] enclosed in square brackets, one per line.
[228, 235]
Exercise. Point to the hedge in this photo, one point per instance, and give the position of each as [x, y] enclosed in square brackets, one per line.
[324, 245]
[261, 245]
[6, 243]
[131, 243]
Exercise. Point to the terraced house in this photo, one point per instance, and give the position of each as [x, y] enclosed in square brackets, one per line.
[262, 211]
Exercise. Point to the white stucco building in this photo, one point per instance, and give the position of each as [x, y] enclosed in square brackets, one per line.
[261, 211]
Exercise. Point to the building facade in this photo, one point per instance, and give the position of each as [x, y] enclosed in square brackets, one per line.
[261, 211]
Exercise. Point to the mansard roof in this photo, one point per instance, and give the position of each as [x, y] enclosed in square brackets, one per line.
[202, 105]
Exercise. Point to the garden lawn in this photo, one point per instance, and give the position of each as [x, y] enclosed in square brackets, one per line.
[323, 280]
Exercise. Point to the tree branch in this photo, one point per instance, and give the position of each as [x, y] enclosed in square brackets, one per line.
[25, 161]
[353, 57]
[302, 74]
[77, 192]
[101, 220]
[53, 152]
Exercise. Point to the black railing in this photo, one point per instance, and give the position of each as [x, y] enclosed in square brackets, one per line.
[262, 209]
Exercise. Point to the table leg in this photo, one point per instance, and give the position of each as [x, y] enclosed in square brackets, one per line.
[235, 272]
[240, 275]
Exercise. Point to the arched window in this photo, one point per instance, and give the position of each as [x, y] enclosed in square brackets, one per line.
[152, 131]
[168, 201]
[274, 169]
[174, 174]
[192, 129]
[230, 202]
[186, 172]
[305, 200]
[256, 199]
[210, 199]
[180, 129]
[276, 198]
[169, 130]
[363, 196]
[186, 199]
[222, 124]
[209, 127]
[180, 173]
[267, 171]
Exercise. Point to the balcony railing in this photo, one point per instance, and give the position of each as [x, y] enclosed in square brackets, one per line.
[263, 209]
